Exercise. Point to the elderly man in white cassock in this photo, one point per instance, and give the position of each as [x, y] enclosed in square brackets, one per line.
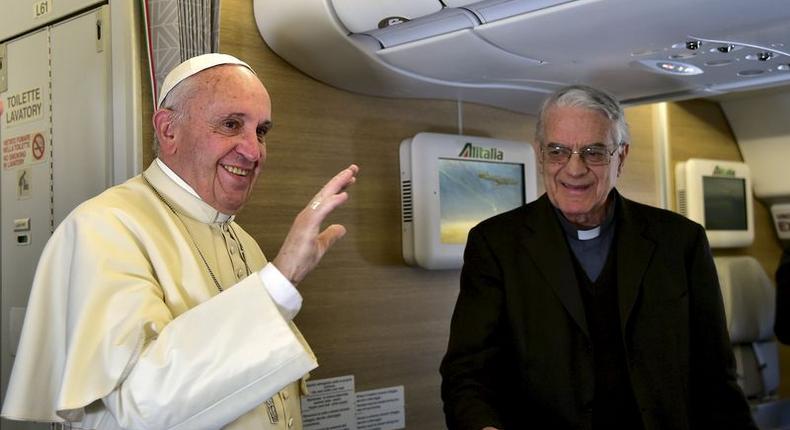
[151, 308]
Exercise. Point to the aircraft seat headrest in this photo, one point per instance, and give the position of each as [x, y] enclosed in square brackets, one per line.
[748, 299]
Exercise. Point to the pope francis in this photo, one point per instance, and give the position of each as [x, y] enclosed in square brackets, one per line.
[151, 308]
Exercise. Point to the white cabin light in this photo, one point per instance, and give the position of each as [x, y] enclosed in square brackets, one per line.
[672, 67]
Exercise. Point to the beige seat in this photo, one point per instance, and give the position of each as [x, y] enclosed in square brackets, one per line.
[749, 306]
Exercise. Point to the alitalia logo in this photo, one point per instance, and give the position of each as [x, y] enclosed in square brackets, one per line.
[723, 171]
[471, 151]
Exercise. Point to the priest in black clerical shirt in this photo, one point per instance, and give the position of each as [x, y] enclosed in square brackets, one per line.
[586, 310]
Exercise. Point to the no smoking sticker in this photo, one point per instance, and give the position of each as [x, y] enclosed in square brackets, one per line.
[38, 146]
[24, 150]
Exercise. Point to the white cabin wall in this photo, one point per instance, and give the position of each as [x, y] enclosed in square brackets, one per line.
[761, 126]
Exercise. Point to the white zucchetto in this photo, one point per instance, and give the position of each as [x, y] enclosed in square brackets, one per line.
[193, 66]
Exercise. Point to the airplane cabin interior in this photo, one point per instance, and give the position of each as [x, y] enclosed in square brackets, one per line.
[397, 86]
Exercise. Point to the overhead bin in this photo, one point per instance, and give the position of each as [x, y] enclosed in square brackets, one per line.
[445, 21]
[510, 53]
[459, 3]
[447, 58]
[494, 10]
[361, 16]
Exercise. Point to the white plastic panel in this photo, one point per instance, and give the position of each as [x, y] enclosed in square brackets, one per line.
[451, 182]
[359, 16]
[25, 214]
[351, 65]
[594, 53]
[437, 24]
[494, 10]
[81, 118]
[595, 42]
[718, 195]
[447, 57]
[459, 3]
[761, 128]
[18, 17]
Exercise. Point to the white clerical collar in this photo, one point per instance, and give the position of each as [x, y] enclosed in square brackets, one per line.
[589, 234]
[221, 217]
[177, 179]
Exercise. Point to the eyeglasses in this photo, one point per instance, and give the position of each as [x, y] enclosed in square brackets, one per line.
[593, 155]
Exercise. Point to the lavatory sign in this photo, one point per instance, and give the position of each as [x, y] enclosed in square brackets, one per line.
[24, 106]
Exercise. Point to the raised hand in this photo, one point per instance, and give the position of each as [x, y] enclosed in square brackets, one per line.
[305, 244]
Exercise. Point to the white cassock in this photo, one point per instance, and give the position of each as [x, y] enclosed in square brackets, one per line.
[126, 326]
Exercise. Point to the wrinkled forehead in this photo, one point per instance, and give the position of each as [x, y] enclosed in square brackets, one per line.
[223, 77]
[576, 121]
[224, 91]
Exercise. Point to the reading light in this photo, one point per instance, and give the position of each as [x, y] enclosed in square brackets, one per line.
[726, 48]
[761, 56]
[672, 67]
[765, 56]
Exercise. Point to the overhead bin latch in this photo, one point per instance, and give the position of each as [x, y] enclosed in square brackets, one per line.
[3, 69]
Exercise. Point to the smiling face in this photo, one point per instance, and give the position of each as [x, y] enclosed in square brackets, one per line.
[216, 144]
[580, 191]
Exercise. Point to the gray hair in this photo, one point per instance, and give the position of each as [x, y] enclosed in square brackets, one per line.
[176, 102]
[586, 97]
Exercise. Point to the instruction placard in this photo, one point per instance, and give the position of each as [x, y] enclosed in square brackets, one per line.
[333, 404]
[330, 404]
[24, 150]
[381, 409]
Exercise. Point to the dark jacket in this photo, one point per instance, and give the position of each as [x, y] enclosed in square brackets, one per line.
[519, 354]
[782, 321]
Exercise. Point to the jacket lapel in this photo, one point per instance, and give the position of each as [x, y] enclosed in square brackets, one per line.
[634, 252]
[545, 245]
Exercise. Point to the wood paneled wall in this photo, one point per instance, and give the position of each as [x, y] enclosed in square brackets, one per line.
[365, 312]
[639, 179]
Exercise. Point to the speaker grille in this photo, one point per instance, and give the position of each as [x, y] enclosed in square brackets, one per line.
[406, 204]
[682, 208]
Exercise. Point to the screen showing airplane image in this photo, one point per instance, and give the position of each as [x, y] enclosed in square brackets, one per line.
[471, 191]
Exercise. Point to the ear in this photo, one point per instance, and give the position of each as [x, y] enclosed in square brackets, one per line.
[621, 159]
[164, 127]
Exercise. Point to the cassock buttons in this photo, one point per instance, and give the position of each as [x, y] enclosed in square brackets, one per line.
[240, 273]
[233, 249]
[290, 422]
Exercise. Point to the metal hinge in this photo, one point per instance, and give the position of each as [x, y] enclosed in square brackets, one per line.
[100, 36]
